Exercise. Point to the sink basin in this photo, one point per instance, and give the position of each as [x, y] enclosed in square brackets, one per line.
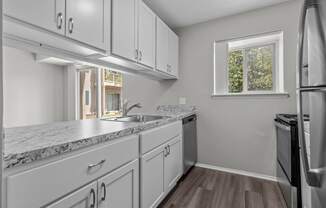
[136, 118]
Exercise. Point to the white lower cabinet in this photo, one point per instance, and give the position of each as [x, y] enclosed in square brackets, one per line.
[82, 198]
[172, 164]
[120, 189]
[161, 168]
[137, 170]
[152, 177]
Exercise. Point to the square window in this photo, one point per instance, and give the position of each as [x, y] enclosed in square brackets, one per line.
[250, 65]
[251, 69]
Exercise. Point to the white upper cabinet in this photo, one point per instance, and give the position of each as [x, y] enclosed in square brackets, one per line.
[124, 29]
[146, 35]
[133, 31]
[167, 49]
[85, 21]
[173, 56]
[47, 14]
[162, 32]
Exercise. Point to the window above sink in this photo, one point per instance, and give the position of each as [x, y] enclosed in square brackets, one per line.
[99, 93]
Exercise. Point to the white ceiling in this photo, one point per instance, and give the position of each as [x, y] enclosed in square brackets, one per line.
[180, 13]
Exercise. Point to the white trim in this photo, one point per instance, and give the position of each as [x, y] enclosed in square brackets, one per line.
[253, 94]
[239, 172]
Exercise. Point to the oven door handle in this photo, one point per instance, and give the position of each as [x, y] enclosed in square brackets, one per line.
[282, 126]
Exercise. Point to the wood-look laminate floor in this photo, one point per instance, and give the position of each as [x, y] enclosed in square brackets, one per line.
[205, 188]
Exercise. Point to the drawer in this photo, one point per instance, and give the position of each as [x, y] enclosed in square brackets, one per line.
[42, 185]
[158, 136]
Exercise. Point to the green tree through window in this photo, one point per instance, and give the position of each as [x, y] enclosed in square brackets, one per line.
[260, 68]
[235, 64]
[256, 63]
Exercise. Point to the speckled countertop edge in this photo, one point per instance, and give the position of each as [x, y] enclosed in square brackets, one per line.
[18, 158]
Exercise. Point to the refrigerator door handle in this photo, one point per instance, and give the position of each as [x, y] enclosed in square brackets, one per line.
[307, 5]
[312, 175]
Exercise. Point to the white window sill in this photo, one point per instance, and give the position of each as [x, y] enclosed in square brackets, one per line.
[253, 94]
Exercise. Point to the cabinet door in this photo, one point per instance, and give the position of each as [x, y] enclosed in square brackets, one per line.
[146, 35]
[83, 198]
[152, 178]
[124, 28]
[162, 32]
[86, 22]
[172, 164]
[47, 14]
[173, 65]
[120, 189]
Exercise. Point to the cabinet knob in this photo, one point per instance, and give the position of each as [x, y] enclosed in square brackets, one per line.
[70, 25]
[59, 20]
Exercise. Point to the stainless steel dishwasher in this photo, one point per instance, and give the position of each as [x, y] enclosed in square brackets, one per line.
[189, 143]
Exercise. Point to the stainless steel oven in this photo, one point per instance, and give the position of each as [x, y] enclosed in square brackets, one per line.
[288, 159]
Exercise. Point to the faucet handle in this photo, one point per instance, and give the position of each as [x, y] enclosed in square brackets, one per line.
[125, 102]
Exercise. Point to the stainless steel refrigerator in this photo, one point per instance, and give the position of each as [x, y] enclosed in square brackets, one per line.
[311, 94]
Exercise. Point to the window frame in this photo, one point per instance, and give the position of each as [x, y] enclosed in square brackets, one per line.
[245, 67]
[221, 50]
[99, 83]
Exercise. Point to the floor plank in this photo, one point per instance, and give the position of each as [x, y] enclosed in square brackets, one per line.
[205, 188]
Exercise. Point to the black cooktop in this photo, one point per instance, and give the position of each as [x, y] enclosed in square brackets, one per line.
[290, 118]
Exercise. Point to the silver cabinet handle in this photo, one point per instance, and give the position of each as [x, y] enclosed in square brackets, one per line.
[312, 175]
[92, 196]
[103, 187]
[140, 55]
[169, 68]
[59, 20]
[97, 164]
[166, 151]
[71, 25]
[136, 54]
[169, 150]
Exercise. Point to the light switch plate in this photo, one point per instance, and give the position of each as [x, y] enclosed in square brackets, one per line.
[182, 100]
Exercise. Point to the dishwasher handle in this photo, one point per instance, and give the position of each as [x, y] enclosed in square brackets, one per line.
[189, 119]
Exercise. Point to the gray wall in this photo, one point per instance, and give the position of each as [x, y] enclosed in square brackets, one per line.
[233, 132]
[33, 92]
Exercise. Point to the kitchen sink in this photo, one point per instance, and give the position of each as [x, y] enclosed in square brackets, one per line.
[136, 118]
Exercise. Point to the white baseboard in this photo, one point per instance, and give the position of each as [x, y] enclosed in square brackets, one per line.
[239, 172]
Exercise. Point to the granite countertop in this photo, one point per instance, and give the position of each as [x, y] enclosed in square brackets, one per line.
[23, 145]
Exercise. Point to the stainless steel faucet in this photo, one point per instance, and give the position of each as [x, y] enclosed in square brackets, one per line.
[126, 109]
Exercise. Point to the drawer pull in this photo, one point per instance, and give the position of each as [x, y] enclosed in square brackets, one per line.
[97, 164]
